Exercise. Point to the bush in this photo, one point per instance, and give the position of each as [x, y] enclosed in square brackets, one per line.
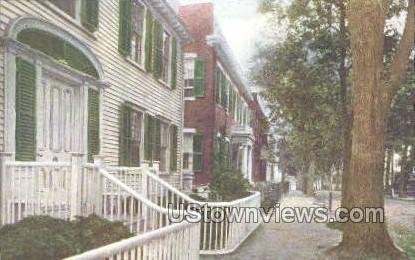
[95, 232]
[229, 186]
[44, 237]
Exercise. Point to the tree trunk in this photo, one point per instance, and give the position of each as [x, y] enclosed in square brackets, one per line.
[345, 100]
[365, 178]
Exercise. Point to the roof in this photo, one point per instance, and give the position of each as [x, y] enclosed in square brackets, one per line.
[223, 50]
[170, 14]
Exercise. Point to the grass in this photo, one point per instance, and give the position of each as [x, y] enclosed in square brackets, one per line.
[403, 237]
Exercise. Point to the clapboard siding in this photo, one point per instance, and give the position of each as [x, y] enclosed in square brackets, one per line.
[128, 83]
[2, 77]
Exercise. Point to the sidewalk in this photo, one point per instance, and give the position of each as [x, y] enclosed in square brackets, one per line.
[287, 240]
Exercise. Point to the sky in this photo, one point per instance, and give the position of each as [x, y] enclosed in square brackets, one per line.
[240, 24]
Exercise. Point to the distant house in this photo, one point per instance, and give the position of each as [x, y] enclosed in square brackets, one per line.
[218, 103]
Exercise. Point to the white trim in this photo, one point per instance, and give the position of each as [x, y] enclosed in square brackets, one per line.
[190, 55]
[189, 131]
[218, 42]
[26, 22]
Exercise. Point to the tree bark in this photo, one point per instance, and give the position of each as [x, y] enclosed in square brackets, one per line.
[344, 96]
[371, 92]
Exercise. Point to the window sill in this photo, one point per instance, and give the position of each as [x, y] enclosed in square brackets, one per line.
[190, 99]
[136, 64]
[69, 19]
[166, 85]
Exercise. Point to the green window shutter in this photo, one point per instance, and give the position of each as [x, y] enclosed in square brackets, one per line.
[147, 138]
[173, 148]
[93, 124]
[25, 111]
[197, 152]
[125, 136]
[174, 64]
[199, 77]
[158, 49]
[125, 27]
[90, 14]
[149, 42]
[157, 140]
[232, 101]
[223, 90]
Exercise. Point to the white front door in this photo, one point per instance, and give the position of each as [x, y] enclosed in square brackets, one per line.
[59, 109]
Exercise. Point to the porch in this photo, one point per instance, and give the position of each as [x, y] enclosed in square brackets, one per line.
[137, 197]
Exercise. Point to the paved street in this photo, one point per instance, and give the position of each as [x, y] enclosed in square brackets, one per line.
[307, 241]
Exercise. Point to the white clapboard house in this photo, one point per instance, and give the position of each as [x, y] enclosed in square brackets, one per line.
[91, 119]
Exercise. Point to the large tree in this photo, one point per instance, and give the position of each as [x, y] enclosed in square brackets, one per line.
[375, 85]
[379, 65]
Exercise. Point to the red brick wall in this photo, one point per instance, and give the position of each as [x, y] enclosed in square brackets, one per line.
[203, 114]
[259, 167]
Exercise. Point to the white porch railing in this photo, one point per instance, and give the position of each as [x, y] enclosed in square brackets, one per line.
[216, 237]
[175, 242]
[134, 196]
[107, 196]
[33, 188]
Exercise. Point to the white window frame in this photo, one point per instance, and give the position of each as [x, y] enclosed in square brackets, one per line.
[167, 81]
[143, 40]
[189, 62]
[76, 19]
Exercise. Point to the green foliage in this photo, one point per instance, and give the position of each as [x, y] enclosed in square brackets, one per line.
[95, 232]
[301, 75]
[401, 125]
[230, 185]
[405, 240]
[39, 238]
[44, 237]
[227, 184]
[335, 225]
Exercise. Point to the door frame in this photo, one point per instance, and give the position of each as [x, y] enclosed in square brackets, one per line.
[46, 66]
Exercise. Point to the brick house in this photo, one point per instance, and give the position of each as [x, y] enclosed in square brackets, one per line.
[217, 102]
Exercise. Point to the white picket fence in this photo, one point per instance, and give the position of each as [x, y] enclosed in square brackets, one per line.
[32, 188]
[174, 242]
[217, 237]
[134, 196]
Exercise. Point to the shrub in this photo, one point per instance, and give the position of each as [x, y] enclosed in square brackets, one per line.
[39, 238]
[230, 185]
[44, 237]
[95, 232]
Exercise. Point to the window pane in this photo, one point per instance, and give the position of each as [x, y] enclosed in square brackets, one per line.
[188, 92]
[68, 6]
[189, 69]
[197, 162]
[137, 35]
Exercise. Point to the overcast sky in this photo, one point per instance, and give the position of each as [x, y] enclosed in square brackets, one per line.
[240, 23]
